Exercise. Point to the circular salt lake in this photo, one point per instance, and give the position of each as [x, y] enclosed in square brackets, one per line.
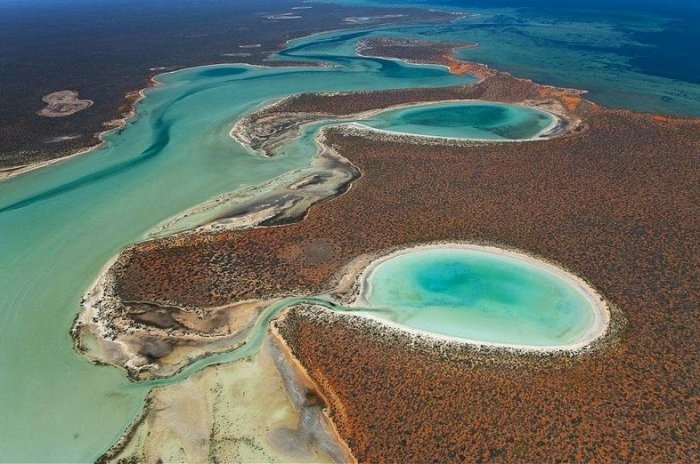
[484, 295]
[466, 120]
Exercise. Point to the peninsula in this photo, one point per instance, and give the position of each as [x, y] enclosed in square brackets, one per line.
[598, 197]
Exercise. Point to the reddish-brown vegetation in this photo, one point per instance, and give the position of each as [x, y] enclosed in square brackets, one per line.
[616, 204]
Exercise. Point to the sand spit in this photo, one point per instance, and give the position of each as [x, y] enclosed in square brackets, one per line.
[63, 103]
[155, 339]
[287, 198]
[273, 126]
[257, 409]
[280, 201]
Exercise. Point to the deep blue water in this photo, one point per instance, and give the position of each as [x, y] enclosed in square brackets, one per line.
[640, 55]
[606, 5]
[670, 52]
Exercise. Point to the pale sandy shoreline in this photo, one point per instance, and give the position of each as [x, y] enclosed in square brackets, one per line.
[341, 175]
[113, 125]
[8, 173]
[243, 130]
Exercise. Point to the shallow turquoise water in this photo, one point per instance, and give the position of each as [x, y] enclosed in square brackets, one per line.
[629, 56]
[481, 296]
[61, 224]
[474, 120]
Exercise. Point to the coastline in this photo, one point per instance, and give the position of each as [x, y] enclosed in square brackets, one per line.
[200, 418]
[36, 142]
[128, 356]
[301, 387]
[282, 132]
[493, 351]
[328, 175]
[553, 363]
[297, 323]
[571, 98]
[132, 98]
[109, 330]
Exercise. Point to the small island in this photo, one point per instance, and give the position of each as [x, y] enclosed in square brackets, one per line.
[272, 277]
[63, 103]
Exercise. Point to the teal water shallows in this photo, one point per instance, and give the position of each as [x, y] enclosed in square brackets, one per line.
[484, 295]
[637, 58]
[61, 224]
[473, 120]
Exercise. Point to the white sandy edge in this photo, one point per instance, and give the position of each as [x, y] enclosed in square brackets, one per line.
[9, 173]
[347, 120]
[90, 308]
[601, 311]
[541, 135]
[119, 124]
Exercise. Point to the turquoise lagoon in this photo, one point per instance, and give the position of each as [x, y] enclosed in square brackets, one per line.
[472, 120]
[61, 224]
[484, 295]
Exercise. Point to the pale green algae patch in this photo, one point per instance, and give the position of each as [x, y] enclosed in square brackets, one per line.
[466, 120]
[483, 295]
